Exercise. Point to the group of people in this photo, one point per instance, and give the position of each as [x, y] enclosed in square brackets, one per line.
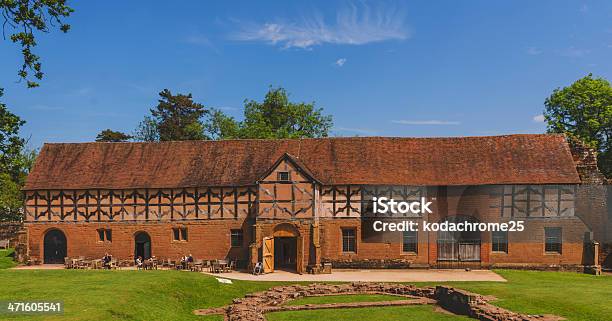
[106, 260]
[185, 260]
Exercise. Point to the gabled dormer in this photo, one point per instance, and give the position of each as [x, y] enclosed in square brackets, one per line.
[287, 190]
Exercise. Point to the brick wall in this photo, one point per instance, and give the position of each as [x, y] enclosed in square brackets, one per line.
[206, 240]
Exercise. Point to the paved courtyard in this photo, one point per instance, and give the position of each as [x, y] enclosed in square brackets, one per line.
[371, 276]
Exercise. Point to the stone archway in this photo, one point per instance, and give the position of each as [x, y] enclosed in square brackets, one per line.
[142, 245]
[283, 249]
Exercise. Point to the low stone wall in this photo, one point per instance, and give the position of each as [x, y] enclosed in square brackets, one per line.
[371, 264]
[253, 307]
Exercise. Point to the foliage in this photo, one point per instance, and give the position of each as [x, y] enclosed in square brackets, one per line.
[178, 117]
[25, 17]
[7, 259]
[277, 117]
[108, 135]
[11, 144]
[146, 131]
[584, 110]
[221, 126]
[15, 163]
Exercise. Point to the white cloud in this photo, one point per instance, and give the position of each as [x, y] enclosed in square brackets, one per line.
[533, 51]
[355, 130]
[574, 52]
[340, 62]
[354, 25]
[539, 118]
[425, 122]
[584, 8]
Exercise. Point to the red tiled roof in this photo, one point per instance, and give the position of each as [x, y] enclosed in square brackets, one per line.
[513, 159]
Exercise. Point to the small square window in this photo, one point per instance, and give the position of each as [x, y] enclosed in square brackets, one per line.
[284, 176]
[349, 241]
[179, 233]
[236, 238]
[105, 235]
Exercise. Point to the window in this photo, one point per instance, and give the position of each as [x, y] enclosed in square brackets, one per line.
[348, 240]
[552, 236]
[105, 235]
[410, 243]
[499, 241]
[284, 176]
[179, 233]
[237, 238]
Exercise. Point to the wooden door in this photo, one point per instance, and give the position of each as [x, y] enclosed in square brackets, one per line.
[268, 254]
[300, 256]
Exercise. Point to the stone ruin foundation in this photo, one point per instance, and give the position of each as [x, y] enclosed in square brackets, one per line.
[254, 306]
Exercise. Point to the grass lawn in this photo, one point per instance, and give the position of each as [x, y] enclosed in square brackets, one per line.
[405, 313]
[6, 259]
[345, 299]
[172, 295]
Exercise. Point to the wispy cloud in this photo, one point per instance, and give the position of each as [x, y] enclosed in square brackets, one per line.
[364, 131]
[340, 62]
[426, 122]
[354, 25]
[201, 40]
[584, 8]
[574, 52]
[539, 118]
[533, 51]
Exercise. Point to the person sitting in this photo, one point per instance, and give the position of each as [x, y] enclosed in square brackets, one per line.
[190, 258]
[106, 259]
[139, 263]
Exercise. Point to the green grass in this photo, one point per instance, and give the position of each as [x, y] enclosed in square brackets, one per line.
[345, 299]
[173, 295]
[6, 259]
[574, 296]
[401, 313]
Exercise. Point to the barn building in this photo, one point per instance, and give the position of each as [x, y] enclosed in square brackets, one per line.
[295, 204]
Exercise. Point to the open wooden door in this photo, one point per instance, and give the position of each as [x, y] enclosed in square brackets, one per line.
[268, 254]
[300, 256]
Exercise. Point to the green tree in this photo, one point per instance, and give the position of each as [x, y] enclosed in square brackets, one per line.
[221, 126]
[108, 135]
[15, 164]
[277, 117]
[178, 117]
[11, 145]
[584, 110]
[24, 18]
[147, 130]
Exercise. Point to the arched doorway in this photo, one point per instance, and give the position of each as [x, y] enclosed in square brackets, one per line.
[283, 249]
[142, 245]
[55, 248]
[459, 248]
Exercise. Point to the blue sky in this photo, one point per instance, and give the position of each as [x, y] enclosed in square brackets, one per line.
[385, 68]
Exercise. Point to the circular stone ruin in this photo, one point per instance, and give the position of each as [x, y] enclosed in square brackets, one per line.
[254, 306]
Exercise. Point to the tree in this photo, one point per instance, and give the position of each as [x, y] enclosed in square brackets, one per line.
[178, 117]
[15, 164]
[147, 130]
[277, 117]
[584, 110]
[221, 126]
[11, 145]
[108, 135]
[25, 17]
